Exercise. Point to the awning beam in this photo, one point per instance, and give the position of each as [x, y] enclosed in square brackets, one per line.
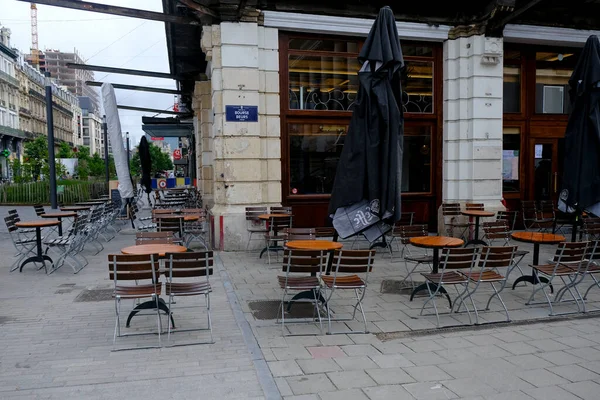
[151, 110]
[121, 11]
[123, 71]
[138, 88]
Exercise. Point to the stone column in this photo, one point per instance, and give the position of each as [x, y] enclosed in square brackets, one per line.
[245, 158]
[203, 123]
[472, 149]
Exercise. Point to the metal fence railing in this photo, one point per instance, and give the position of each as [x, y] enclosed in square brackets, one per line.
[68, 192]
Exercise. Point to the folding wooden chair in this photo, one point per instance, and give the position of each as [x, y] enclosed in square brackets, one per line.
[154, 238]
[451, 213]
[188, 275]
[302, 269]
[451, 261]
[491, 259]
[567, 262]
[143, 270]
[350, 269]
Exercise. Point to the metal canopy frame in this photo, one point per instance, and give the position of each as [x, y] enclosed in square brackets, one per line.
[126, 12]
[135, 87]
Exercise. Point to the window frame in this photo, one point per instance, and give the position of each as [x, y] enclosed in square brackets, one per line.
[290, 116]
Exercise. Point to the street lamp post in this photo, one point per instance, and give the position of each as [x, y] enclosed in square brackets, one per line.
[51, 159]
[128, 156]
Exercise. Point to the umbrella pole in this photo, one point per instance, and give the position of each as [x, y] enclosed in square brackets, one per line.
[383, 244]
[575, 225]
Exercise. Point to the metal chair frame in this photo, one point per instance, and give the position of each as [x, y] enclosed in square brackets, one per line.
[302, 262]
[346, 266]
[135, 268]
[24, 245]
[451, 260]
[253, 224]
[189, 265]
[569, 261]
[490, 260]
[404, 234]
[451, 212]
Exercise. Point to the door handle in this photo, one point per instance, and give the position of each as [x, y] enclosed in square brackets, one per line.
[555, 182]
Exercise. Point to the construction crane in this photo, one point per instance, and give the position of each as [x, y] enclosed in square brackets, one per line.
[35, 55]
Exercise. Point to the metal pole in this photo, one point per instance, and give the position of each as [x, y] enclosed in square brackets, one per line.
[51, 157]
[105, 131]
[127, 137]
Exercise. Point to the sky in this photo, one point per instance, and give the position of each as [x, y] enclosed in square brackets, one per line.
[102, 39]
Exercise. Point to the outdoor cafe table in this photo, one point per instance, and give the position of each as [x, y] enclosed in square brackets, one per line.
[477, 214]
[436, 243]
[161, 250]
[59, 216]
[267, 217]
[38, 225]
[536, 238]
[317, 245]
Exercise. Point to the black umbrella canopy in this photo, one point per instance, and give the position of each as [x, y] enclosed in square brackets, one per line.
[366, 191]
[146, 162]
[581, 177]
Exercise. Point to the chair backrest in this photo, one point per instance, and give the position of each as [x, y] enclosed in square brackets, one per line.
[252, 213]
[509, 216]
[496, 229]
[169, 224]
[195, 211]
[154, 238]
[451, 209]
[405, 232]
[593, 251]
[10, 224]
[325, 231]
[528, 209]
[190, 264]
[303, 261]
[475, 206]
[458, 258]
[281, 210]
[591, 228]
[497, 256]
[39, 210]
[130, 267]
[571, 253]
[280, 223]
[353, 261]
[545, 210]
[300, 234]
[406, 218]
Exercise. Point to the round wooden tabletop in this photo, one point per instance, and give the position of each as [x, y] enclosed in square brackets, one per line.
[59, 214]
[436, 242]
[478, 213]
[269, 216]
[160, 249]
[40, 223]
[76, 208]
[185, 217]
[322, 245]
[537, 237]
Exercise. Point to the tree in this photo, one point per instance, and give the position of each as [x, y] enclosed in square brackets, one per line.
[36, 155]
[96, 165]
[135, 164]
[160, 160]
[83, 153]
[82, 170]
[64, 151]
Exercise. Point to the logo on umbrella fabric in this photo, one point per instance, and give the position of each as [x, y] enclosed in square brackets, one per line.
[375, 206]
[564, 195]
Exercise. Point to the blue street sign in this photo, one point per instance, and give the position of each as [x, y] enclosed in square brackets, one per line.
[241, 113]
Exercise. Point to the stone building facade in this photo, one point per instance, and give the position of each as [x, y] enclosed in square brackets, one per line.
[482, 113]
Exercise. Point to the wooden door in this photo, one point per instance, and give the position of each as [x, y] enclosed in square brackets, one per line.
[545, 168]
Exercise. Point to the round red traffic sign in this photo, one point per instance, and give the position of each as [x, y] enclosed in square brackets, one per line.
[177, 154]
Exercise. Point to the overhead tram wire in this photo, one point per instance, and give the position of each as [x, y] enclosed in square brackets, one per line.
[115, 41]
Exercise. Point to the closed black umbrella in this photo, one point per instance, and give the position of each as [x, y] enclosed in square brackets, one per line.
[366, 191]
[146, 162]
[581, 177]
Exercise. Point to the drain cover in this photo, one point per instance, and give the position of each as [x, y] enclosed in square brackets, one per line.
[269, 309]
[95, 295]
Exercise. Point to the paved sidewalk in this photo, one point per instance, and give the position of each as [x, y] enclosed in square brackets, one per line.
[57, 347]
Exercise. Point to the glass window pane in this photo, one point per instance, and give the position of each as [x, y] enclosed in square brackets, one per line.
[416, 159]
[552, 74]
[511, 146]
[314, 153]
[417, 85]
[512, 89]
[417, 50]
[340, 46]
[322, 83]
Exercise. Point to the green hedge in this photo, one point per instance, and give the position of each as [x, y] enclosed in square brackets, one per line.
[70, 192]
